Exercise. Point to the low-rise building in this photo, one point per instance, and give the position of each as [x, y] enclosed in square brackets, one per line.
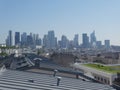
[101, 76]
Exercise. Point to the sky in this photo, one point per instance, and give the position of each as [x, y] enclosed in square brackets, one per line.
[65, 17]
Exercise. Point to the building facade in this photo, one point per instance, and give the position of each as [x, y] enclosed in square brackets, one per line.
[9, 39]
[17, 38]
[85, 40]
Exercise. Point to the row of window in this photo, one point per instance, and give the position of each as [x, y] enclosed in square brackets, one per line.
[101, 79]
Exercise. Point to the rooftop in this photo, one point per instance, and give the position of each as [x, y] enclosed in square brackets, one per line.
[21, 80]
[105, 68]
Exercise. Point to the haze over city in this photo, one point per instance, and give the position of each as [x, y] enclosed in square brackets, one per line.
[65, 17]
[59, 44]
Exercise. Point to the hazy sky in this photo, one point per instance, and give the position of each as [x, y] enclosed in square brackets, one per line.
[66, 17]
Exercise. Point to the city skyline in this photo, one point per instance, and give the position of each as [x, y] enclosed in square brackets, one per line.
[51, 41]
[65, 17]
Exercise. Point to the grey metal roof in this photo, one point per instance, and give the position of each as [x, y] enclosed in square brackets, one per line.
[20, 80]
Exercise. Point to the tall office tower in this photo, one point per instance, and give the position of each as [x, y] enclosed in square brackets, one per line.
[107, 43]
[75, 41]
[34, 39]
[56, 42]
[29, 40]
[45, 41]
[17, 38]
[24, 39]
[64, 42]
[85, 40]
[37, 36]
[93, 39]
[59, 44]
[31, 34]
[51, 40]
[38, 41]
[9, 39]
[98, 44]
[71, 44]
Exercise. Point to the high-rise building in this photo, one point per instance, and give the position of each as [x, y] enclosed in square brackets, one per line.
[51, 40]
[75, 41]
[64, 42]
[56, 42]
[71, 44]
[98, 44]
[24, 39]
[38, 40]
[34, 39]
[93, 39]
[9, 39]
[29, 40]
[17, 38]
[85, 40]
[45, 41]
[31, 34]
[107, 43]
[59, 43]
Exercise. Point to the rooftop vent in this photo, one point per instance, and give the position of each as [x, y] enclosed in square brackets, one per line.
[55, 71]
[31, 80]
[58, 81]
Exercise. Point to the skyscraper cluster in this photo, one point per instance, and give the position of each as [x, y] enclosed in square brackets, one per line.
[23, 39]
[50, 41]
[92, 41]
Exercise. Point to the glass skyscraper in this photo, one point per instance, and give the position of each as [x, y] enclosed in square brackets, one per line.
[17, 38]
[85, 40]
